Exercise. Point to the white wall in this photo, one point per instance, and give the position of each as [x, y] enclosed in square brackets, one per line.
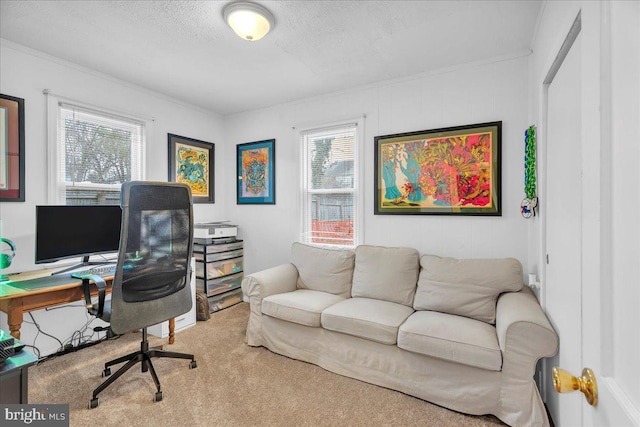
[475, 93]
[24, 74]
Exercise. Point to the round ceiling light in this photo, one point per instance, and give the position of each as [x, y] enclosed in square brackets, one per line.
[249, 21]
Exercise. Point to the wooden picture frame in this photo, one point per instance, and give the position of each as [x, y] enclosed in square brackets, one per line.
[12, 149]
[447, 171]
[256, 172]
[192, 162]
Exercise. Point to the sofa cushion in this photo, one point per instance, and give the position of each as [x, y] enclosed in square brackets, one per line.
[326, 270]
[467, 287]
[449, 337]
[388, 274]
[366, 318]
[303, 306]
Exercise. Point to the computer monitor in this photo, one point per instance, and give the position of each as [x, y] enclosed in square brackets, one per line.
[64, 232]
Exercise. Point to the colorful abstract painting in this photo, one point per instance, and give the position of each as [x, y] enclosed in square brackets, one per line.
[191, 163]
[192, 168]
[256, 172]
[442, 171]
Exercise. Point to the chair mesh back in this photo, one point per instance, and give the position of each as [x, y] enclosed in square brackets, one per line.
[151, 281]
[157, 243]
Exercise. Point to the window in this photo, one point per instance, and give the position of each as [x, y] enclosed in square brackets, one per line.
[95, 152]
[331, 200]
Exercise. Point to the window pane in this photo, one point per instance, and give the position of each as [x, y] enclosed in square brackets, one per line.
[98, 152]
[331, 157]
[332, 219]
[330, 186]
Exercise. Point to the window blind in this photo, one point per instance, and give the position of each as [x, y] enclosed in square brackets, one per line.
[97, 152]
[329, 186]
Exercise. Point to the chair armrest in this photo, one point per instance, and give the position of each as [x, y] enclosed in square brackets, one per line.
[275, 280]
[523, 327]
[102, 289]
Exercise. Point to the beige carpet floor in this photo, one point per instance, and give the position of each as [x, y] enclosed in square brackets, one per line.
[234, 385]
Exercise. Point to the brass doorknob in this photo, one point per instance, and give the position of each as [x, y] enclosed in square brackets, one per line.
[564, 382]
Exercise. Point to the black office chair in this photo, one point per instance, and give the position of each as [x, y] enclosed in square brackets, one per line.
[151, 282]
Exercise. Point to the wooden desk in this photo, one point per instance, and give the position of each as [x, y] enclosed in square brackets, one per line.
[22, 296]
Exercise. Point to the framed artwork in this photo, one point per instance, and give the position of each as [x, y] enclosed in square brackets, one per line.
[448, 171]
[12, 152]
[256, 170]
[192, 162]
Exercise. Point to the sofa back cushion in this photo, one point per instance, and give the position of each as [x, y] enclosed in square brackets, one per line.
[388, 274]
[326, 270]
[466, 287]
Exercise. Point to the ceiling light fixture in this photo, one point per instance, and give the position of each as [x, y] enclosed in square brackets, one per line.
[249, 21]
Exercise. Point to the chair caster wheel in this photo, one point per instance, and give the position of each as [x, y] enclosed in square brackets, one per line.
[193, 364]
[106, 372]
[93, 403]
[157, 397]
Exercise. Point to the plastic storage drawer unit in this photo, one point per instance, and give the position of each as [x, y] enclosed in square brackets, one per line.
[218, 286]
[219, 271]
[212, 257]
[215, 248]
[219, 268]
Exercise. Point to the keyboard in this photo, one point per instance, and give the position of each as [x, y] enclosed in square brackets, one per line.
[100, 270]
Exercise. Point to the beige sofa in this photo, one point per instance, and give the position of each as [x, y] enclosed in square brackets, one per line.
[464, 334]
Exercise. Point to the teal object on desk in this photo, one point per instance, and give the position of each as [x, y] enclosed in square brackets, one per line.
[41, 282]
[6, 258]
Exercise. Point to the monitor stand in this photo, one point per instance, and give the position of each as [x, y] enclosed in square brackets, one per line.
[85, 262]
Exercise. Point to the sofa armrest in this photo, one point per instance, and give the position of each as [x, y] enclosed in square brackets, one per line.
[522, 325]
[275, 280]
[525, 335]
[256, 286]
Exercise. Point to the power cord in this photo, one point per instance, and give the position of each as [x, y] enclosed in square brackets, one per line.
[79, 339]
[40, 331]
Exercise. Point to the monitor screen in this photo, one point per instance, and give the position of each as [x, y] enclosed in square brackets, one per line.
[76, 231]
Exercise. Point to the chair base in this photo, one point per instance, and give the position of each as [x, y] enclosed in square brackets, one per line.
[144, 357]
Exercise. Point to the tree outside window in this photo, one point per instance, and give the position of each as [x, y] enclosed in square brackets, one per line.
[99, 154]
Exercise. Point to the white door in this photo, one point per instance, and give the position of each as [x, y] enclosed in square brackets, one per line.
[593, 293]
[614, 354]
[564, 225]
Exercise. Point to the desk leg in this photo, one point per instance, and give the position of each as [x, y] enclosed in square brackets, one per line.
[14, 316]
[172, 326]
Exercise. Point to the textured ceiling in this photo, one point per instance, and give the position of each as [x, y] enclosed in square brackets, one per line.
[184, 49]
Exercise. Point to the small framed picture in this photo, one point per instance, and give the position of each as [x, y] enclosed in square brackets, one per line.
[12, 150]
[192, 162]
[256, 170]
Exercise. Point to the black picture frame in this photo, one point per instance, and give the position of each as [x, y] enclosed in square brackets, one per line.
[192, 162]
[446, 171]
[12, 149]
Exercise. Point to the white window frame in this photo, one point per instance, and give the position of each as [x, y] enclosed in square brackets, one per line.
[305, 192]
[56, 191]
